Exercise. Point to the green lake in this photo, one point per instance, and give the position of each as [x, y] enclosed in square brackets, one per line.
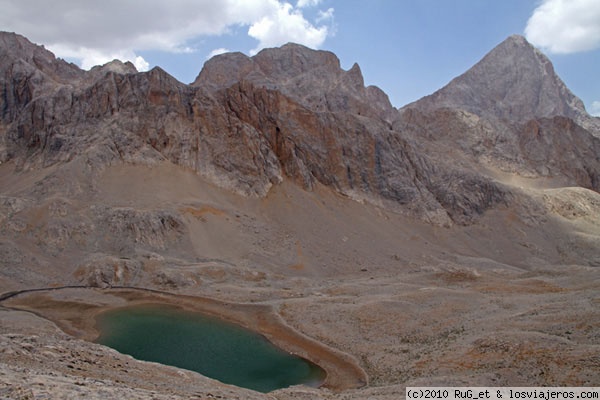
[210, 346]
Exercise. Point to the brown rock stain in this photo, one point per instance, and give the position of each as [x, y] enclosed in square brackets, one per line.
[202, 211]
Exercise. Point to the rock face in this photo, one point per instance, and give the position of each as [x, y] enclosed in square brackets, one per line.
[311, 78]
[514, 81]
[247, 123]
[511, 112]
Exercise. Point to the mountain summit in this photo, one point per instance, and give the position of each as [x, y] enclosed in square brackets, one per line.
[514, 81]
[511, 112]
[312, 78]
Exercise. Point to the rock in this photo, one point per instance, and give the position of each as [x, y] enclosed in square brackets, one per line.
[151, 229]
[559, 146]
[510, 112]
[311, 78]
[514, 81]
[29, 71]
[106, 271]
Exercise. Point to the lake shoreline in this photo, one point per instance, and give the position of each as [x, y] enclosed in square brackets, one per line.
[205, 344]
[74, 310]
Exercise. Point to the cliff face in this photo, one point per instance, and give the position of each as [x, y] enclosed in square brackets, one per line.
[247, 123]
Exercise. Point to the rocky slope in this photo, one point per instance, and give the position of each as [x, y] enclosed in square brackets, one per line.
[511, 112]
[281, 179]
[514, 81]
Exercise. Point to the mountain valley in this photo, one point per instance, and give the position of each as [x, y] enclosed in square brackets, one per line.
[454, 241]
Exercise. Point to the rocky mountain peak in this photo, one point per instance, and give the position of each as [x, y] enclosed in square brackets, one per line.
[28, 71]
[31, 58]
[17, 46]
[223, 70]
[292, 60]
[313, 78]
[514, 81]
[116, 66]
[270, 67]
[10, 41]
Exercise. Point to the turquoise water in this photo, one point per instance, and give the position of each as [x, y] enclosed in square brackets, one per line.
[207, 345]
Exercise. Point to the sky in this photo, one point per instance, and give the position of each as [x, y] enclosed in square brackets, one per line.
[409, 48]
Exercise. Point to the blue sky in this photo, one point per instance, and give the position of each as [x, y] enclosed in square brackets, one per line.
[409, 48]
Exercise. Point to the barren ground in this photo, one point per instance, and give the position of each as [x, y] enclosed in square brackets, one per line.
[511, 300]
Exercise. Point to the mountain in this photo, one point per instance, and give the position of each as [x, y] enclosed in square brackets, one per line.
[311, 78]
[514, 81]
[289, 112]
[511, 112]
[441, 243]
[248, 124]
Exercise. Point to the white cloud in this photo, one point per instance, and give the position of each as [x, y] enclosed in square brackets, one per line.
[141, 64]
[96, 32]
[286, 25]
[307, 3]
[595, 109]
[218, 51]
[326, 15]
[92, 57]
[565, 26]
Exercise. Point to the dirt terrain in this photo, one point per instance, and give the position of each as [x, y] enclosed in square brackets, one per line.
[501, 303]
